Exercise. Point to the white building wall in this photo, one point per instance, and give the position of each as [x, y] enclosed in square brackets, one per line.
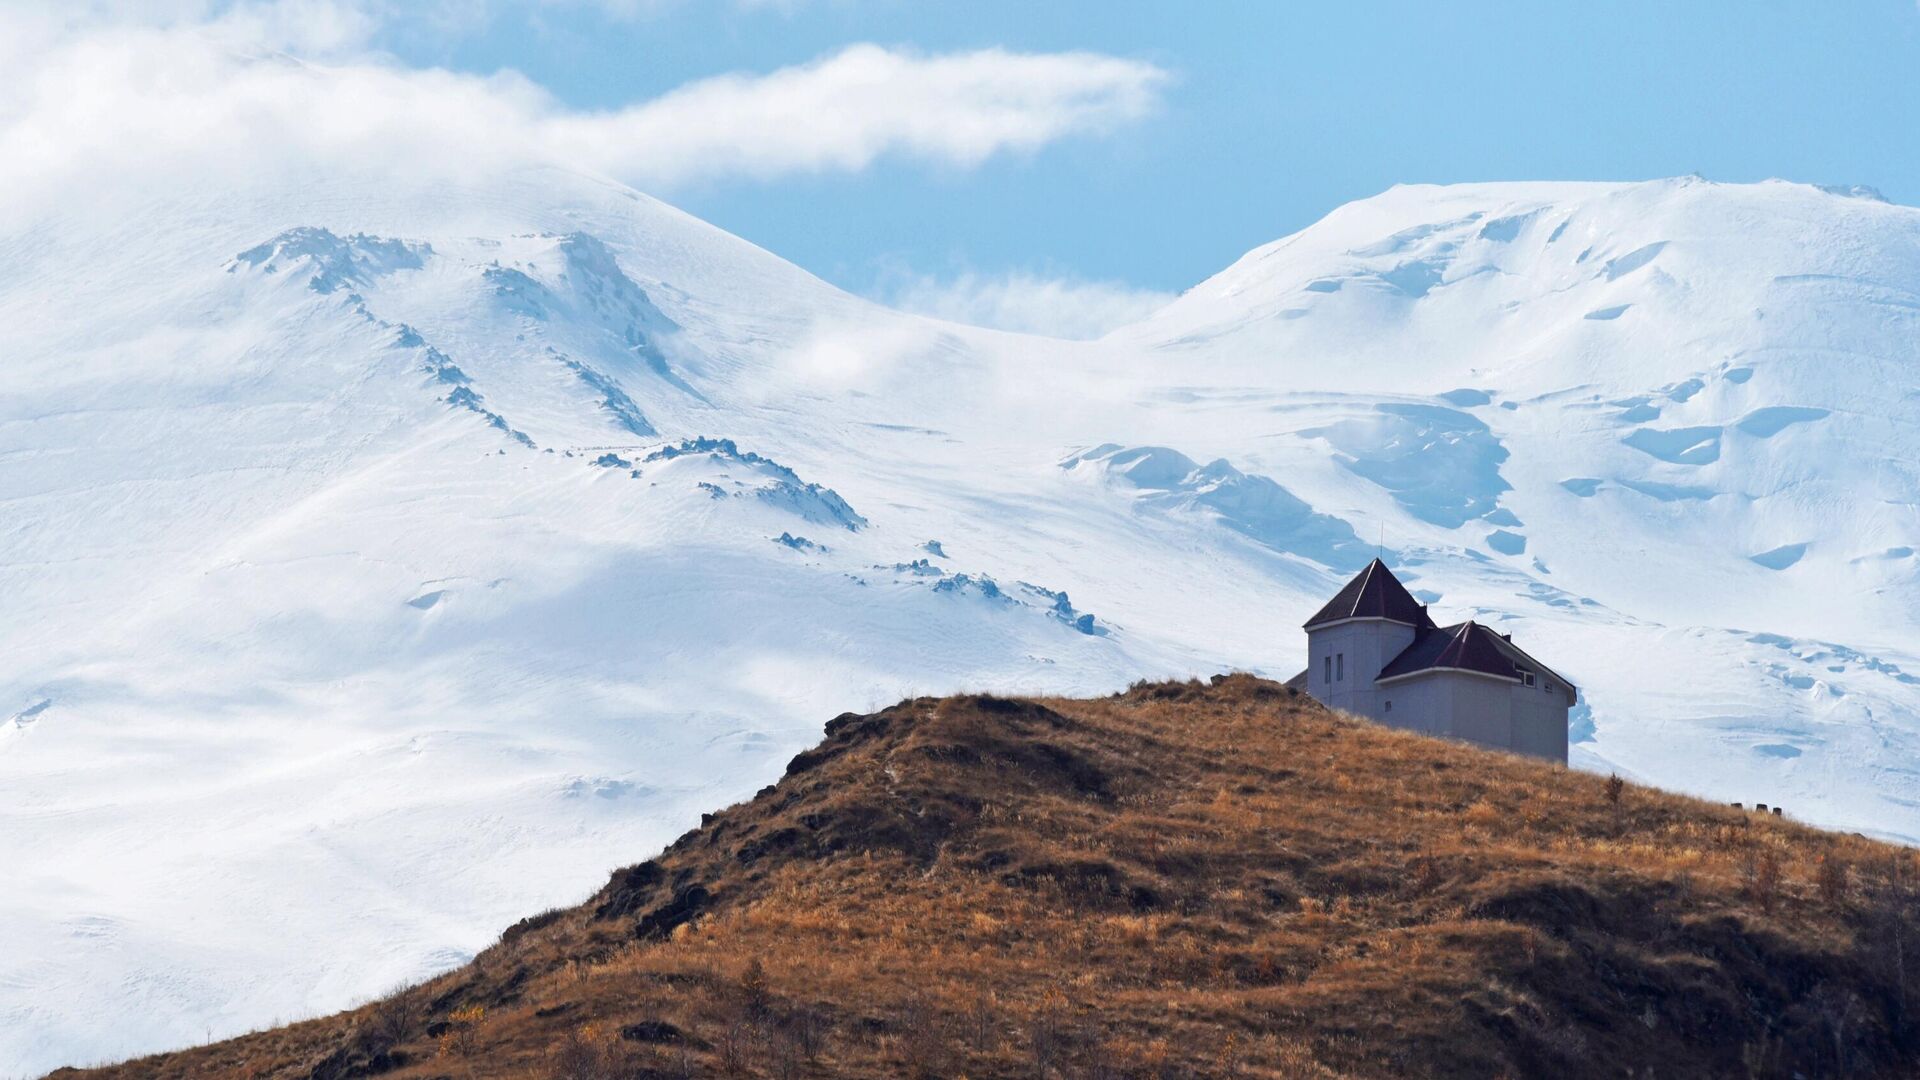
[1540, 718]
[1424, 705]
[1488, 712]
[1360, 648]
[1482, 708]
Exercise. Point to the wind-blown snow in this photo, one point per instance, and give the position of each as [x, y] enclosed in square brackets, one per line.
[384, 565]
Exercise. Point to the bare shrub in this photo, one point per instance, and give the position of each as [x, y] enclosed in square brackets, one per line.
[462, 1036]
[753, 987]
[785, 1058]
[1761, 869]
[1887, 911]
[1229, 1056]
[1154, 1060]
[1840, 1009]
[922, 1042]
[1767, 881]
[983, 1023]
[734, 1051]
[393, 1019]
[1104, 1062]
[1831, 876]
[1046, 1032]
[590, 1053]
[807, 1028]
[1427, 876]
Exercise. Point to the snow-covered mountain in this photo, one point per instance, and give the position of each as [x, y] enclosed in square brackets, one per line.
[383, 565]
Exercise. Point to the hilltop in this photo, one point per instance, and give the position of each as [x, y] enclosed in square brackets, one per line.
[1184, 879]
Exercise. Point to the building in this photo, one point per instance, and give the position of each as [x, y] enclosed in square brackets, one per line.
[1374, 651]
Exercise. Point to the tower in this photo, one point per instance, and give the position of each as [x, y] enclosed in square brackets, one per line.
[1349, 640]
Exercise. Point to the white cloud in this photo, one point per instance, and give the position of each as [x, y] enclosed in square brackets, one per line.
[845, 111]
[1029, 303]
[303, 26]
[177, 87]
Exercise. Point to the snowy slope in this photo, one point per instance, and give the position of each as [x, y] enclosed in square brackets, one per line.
[1670, 426]
[384, 564]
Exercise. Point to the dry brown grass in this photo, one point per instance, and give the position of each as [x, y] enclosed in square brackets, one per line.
[1184, 880]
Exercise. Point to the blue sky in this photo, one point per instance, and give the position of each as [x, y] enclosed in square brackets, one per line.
[1275, 113]
[1060, 165]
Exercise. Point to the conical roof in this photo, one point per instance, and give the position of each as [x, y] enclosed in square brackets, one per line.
[1374, 594]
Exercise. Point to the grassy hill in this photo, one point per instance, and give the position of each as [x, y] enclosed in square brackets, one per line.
[1183, 880]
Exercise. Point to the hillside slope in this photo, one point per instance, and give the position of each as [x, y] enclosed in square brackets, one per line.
[1185, 879]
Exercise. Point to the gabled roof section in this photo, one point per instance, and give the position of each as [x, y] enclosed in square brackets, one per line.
[1374, 594]
[1521, 658]
[1466, 646]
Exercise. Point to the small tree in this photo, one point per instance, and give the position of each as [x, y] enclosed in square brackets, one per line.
[734, 1048]
[1615, 786]
[392, 1020]
[785, 1058]
[1427, 875]
[1831, 876]
[592, 1053]
[1104, 1061]
[1764, 885]
[1888, 912]
[1048, 1031]
[1841, 1010]
[462, 1036]
[808, 1030]
[983, 1023]
[1230, 1055]
[921, 1038]
[753, 984]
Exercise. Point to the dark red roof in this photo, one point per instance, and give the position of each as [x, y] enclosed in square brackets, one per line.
[1374, 594]
[1467, 646]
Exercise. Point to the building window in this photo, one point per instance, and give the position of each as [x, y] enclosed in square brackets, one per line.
[1339, 665]
[1526, 677]
[1389, 707]
[1329, 677]
[1549, 686]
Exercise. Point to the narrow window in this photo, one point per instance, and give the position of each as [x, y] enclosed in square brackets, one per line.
[1339, 665]
[1389, 707]
[1329, 677]
[1549, 686]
